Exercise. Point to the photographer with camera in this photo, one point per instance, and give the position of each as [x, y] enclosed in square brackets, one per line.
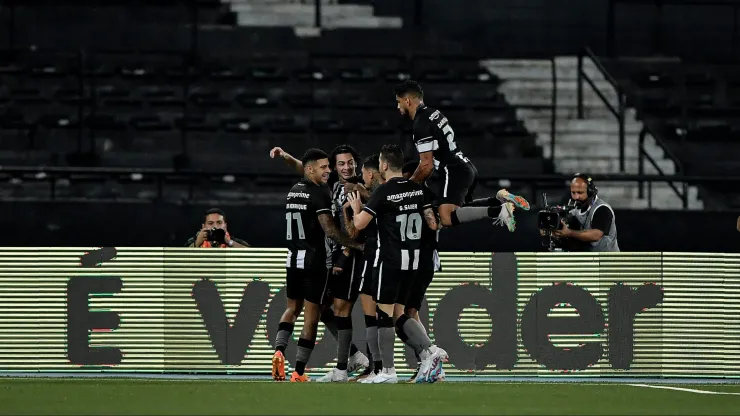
[213, 233]
[587, 223]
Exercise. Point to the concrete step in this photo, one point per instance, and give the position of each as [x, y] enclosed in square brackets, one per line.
[279, 2]
[586, 126]
[623, 195]
[371, 22]
[569, 164]
[571, 112]
[525, 69]
[544, 97]
[301, 9]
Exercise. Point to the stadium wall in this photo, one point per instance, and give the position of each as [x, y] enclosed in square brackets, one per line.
[160, 310]
[72, 224]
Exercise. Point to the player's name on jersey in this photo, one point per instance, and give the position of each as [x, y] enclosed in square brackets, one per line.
[404, 195]
[435, 115]
[298, 195]
[300, 207]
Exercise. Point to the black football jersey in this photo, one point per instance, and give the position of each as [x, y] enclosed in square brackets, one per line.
[398, 209]
[304, 236]
[433, 133]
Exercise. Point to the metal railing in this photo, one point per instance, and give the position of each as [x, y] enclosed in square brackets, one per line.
[553, 108]
[683, 193]
[618, 112]
[160, 179]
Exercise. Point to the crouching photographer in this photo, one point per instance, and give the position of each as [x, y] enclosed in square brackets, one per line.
[587, 223]
[214, 233]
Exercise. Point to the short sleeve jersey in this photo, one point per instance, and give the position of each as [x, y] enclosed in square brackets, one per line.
[304, 236]
[432, 133]
[397, 206]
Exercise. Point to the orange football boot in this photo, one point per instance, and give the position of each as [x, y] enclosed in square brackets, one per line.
[278, 366]
[295, 378]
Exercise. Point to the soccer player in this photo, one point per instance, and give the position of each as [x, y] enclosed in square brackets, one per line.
[397, 207]
[438, 150]
[309, 222]
[345, 265]
[369, 236]
[429, 264]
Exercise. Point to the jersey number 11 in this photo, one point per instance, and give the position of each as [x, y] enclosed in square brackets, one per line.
[297, 217]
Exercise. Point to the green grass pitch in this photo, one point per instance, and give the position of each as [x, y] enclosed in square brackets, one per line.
[211, 397]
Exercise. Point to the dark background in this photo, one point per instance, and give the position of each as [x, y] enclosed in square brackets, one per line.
[157, 224]
[707, 31]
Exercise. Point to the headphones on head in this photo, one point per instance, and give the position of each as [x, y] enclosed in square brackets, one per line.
[591, 189]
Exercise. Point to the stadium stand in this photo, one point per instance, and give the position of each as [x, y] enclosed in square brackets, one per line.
[122, 107]
[694, 109]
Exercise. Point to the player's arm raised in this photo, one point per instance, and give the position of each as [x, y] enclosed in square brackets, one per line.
[332, 231]
[349, 224]
[289, 160]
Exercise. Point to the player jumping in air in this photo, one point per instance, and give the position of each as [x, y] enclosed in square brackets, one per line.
[438, 150]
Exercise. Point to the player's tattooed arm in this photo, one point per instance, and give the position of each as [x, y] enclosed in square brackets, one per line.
[332, 231]
[349, 224]
[431, 219]
[289, 160]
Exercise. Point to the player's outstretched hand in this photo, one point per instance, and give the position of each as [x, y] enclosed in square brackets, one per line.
[355, 201]
[276, 152]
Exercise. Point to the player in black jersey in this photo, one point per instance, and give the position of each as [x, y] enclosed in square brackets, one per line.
[371, 180]
[345, 266]
[429, 264]
[439, 151]
[399, 208]
[308, 222]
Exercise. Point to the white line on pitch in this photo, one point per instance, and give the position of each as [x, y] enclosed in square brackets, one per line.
[685, 389]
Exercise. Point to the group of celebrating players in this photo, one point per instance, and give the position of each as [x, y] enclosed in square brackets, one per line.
[377, 235]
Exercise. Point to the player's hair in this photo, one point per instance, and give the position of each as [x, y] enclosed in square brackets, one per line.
[213, 211]
[410, 167]
[342, 149]
[372, 162]
[313, 155]
[393, 156]
[409, 87]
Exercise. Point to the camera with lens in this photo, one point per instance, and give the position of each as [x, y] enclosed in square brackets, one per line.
[550, 219]
[216, 235]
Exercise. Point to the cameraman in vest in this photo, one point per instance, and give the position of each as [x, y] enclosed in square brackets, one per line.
[592, 226]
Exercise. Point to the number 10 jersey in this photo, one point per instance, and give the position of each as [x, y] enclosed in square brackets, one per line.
[398, 208]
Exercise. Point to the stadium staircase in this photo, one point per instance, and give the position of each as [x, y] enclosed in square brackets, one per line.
[590, 144]
[301, 15]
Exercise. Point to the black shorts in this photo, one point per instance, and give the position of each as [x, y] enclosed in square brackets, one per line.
[306, 284]
[346, 285]
[428, 265]
[392, 284]
[368, 284]
[456, 184]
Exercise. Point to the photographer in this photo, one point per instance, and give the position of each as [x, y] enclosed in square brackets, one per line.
[590, 225]
[213, 233]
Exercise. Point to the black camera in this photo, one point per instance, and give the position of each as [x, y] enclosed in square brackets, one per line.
[216, 235]
[551, 218]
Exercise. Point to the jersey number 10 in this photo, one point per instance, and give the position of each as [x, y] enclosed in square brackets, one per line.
[297, 217]
[410, 225]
